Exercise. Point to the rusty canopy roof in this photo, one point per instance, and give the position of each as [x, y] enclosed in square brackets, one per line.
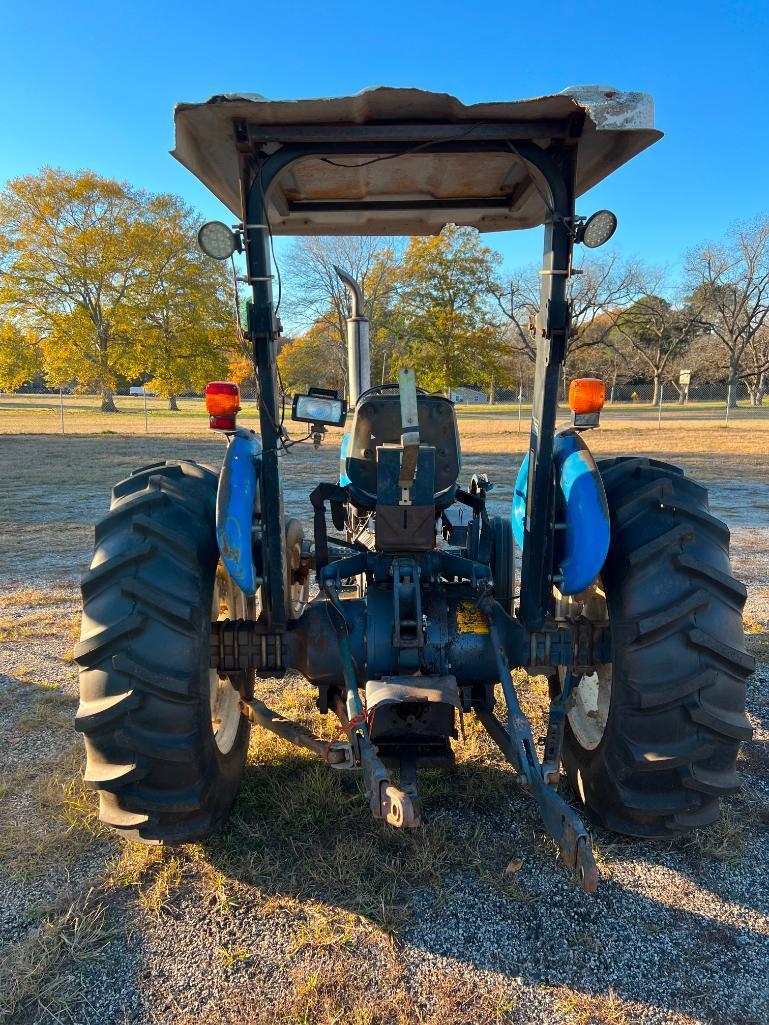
[490, 190]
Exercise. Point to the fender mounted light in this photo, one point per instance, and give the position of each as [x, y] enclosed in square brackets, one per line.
[586, 399]
[222, 404]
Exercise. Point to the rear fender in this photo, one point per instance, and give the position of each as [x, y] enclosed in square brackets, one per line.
[236, 501]
[582, 542]
[344, 480]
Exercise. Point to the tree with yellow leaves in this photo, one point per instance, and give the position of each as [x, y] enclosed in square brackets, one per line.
[315, 359]
[183, 313]
[70, 248]
[315, 294]
[447, 331]
[20, 356]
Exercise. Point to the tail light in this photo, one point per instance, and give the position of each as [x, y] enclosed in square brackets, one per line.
[222, 404]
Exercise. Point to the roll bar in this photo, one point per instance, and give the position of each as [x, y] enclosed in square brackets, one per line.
[556, 169]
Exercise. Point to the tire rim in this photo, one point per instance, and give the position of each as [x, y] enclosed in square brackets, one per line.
[590, 710]
[298, 582]
[225, 700]
[592, 695]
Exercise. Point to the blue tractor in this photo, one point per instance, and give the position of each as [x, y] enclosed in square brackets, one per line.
[199, 584]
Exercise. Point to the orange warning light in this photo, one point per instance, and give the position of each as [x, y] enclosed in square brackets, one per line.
[222, 398]
[587, 395]
[223, 404]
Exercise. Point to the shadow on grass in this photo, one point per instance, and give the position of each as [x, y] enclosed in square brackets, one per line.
[303, 830]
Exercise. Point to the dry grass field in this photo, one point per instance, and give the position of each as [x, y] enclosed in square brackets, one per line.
[284, 919]
[42, 414]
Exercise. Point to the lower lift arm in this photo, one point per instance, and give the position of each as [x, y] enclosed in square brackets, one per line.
[517, 744]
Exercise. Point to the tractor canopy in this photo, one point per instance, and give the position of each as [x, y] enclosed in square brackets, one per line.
[455, 163]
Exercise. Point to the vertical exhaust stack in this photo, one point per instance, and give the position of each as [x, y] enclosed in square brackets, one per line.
[358, 354]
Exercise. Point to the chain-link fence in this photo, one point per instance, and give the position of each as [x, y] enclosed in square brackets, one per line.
[643, 393]
[53, 412]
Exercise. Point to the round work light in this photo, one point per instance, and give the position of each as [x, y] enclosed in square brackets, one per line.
[217, 240]
[598, 229]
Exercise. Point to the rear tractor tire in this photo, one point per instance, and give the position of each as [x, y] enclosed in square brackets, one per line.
[165, 738]
[503, 561]
[651, 739]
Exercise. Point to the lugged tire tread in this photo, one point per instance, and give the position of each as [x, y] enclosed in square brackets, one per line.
[661, 622]
[162, 486]
[112, 775]
[160, 831]
[684, 822]
[182, 545]
[100, 575]
[729, 724]
[667, 690]
[670, 756]
[740, 662]
[666, 494]
[171, 748]
[148, 466]
[113, 815]
[700, 516]
[182, 800]
[656, 802]
[134, 482]
[93, 648]
[165, 683]
[117, 515]
[726, 583]
[709, 781]
[178, 614]
[616, 471]
[94, 715]
[673, 538]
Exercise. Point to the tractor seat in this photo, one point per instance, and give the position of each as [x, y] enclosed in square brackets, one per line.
[377, 421]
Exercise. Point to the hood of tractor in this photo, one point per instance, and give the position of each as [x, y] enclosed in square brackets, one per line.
[334, 190]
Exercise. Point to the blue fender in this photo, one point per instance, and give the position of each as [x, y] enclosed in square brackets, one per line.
[519, 501]
[583, 542]
[344, 448]
[236, 498]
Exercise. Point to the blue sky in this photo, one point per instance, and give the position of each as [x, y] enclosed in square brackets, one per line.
[93, 85]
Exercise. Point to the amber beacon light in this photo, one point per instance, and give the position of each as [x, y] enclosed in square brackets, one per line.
[222, 404]
[586, 398]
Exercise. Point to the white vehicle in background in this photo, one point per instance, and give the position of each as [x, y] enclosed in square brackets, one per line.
[473, 396]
